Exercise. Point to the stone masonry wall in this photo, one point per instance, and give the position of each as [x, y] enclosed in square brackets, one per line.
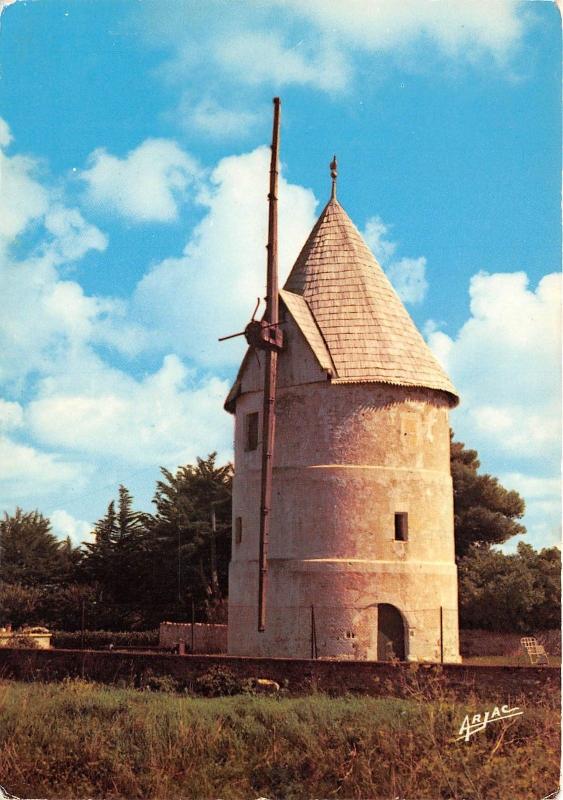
[207, 638]
[495, 684]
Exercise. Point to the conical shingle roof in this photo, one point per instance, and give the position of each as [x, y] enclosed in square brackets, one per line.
[368, 332]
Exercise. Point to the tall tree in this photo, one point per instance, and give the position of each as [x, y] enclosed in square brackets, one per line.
[485, 513]
[116, 560]
[516, 592]
[29, 553]
[192, 529]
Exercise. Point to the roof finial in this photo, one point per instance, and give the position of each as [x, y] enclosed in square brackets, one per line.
[333, 175]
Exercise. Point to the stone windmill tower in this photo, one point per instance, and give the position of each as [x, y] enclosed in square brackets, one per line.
[361, 546]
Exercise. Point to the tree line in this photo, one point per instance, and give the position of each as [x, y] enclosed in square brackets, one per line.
[143, 568]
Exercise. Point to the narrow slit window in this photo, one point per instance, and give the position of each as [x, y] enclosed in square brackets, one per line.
[251, 431]
[238, 530]
[401, 526]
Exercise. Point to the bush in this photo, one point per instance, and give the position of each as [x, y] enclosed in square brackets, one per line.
[220, 681]
[101, 640]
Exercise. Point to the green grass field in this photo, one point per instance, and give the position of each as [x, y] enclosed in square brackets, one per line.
[78, 740]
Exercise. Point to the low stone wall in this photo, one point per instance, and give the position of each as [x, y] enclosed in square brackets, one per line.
[494, 684]
[40, 640]
[207, 639]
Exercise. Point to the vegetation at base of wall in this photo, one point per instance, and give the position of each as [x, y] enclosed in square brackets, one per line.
[81, 740]
[101, 640]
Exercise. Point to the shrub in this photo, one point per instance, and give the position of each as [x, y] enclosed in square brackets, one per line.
[101, 640]
[219, 681]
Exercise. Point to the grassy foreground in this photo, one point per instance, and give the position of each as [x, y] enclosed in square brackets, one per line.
[79, 740]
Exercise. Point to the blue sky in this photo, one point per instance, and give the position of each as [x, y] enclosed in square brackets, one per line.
[132, 220]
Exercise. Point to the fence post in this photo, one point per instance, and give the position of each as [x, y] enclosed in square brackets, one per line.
[82, 620]
[313, 634]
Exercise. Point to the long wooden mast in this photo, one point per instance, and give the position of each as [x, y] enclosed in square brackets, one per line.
[271, 318]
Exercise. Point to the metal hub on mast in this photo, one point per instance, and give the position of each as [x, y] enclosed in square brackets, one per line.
[262, 335]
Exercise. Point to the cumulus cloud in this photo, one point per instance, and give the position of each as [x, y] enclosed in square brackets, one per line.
[65, 526]
[455, 26]
[281, 42]
[505, 361]
[169, 417]
[506, 364]
[72, 236]
[147, 185]
[408, 275]
[264, 57]
[11, 415]
[22, 198]
[23, 466]
[543, 508]
[214, 119]
[210, 290]
[45, 317]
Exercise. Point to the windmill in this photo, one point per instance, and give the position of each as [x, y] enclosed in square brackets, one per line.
[266, 335]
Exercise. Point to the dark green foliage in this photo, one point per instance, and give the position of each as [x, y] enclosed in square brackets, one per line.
[119, 557]
[485, 512]
[18, 604]
[54, 606]
[30, 554]
[190, 535]
[519, 592]
[99, 640]
[219, 681]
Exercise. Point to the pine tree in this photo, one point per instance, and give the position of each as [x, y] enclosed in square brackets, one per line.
[485, 512]
[29, 553]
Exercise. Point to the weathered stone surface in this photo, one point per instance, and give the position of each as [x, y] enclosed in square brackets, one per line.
[206, 638]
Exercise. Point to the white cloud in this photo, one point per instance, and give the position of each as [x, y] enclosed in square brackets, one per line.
[210, 291]
[5, 134]
[72, 236]
[11, 415]
[64, 526]
[43, 317]
[543, 508]
[505, 362]
[257, 57]
[408, 275]
[281, 42]
[215, 120]
[26, 472]
[456, 26]
[22, 198]
[148, 185]
[169, 417]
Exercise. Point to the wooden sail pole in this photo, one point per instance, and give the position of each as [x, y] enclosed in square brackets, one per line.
[270, 372]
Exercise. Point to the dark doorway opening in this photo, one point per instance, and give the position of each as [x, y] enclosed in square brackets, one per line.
[390, 633]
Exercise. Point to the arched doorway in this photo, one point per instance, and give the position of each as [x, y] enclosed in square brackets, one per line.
[390, 633]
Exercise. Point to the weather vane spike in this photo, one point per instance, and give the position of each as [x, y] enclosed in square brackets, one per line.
[333, 175]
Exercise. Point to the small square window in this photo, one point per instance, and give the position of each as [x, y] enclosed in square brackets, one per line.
[401, 526]
[238, 530]
[251, 431]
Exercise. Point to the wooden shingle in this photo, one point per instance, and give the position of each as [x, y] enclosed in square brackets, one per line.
[369, 334]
